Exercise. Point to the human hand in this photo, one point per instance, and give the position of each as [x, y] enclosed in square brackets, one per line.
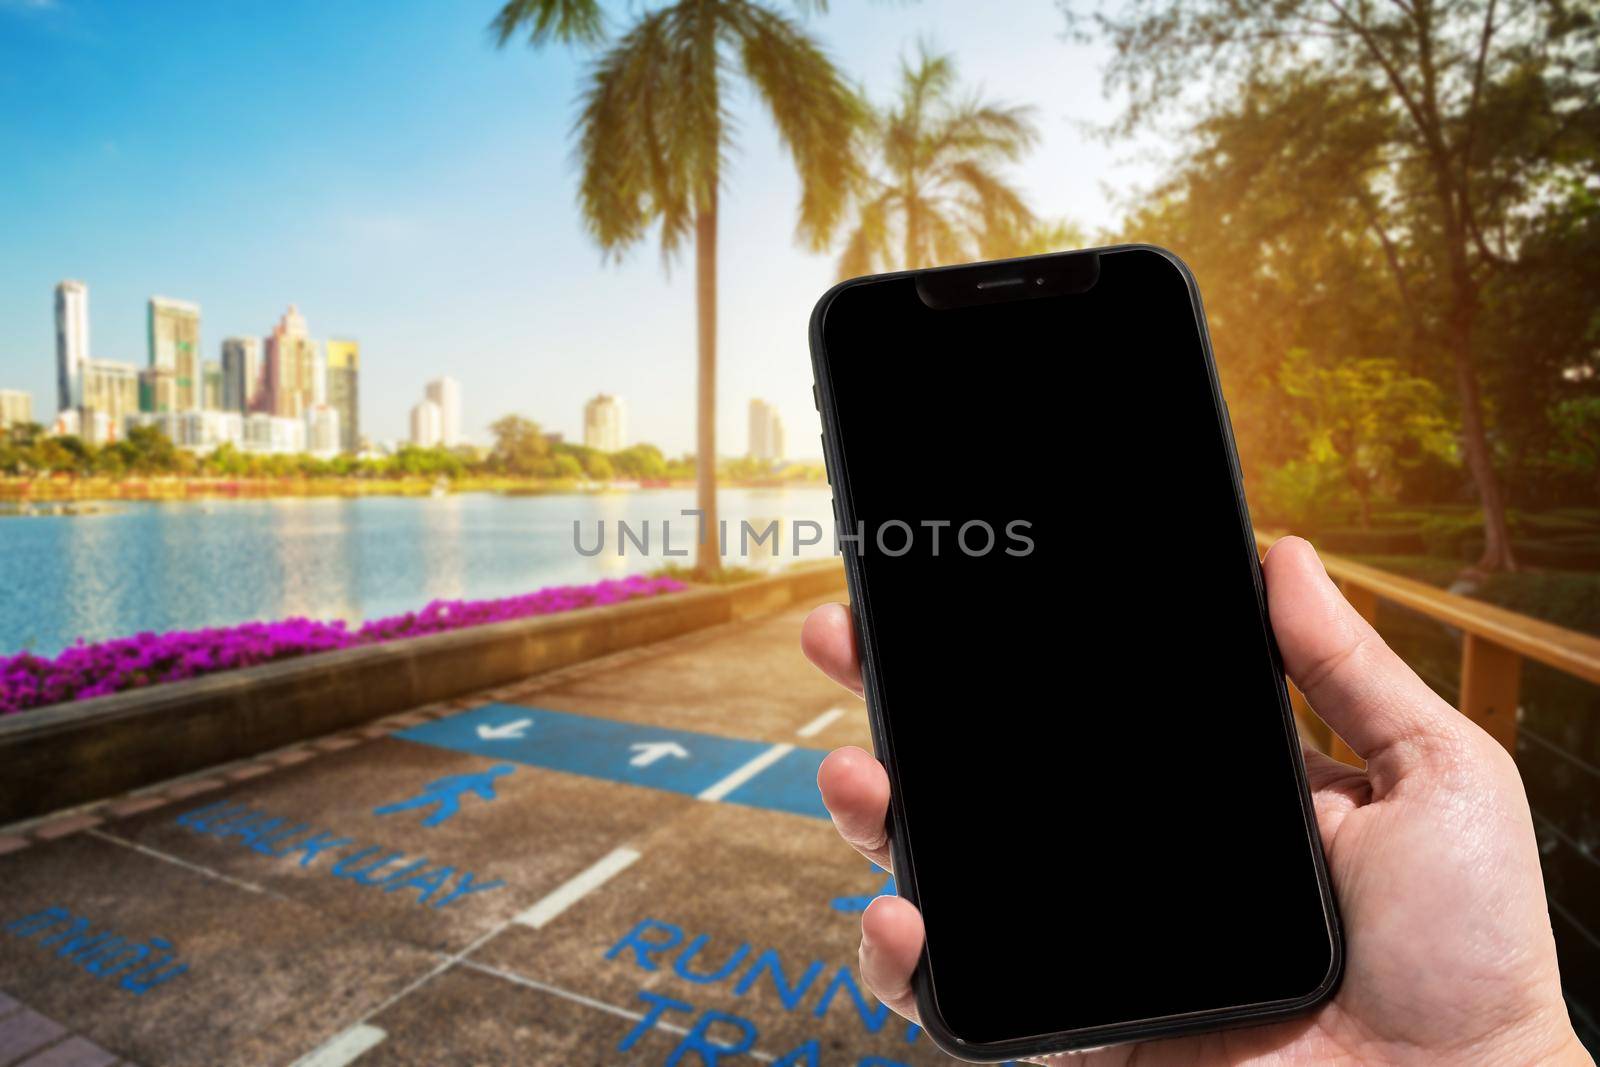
[1449, 956]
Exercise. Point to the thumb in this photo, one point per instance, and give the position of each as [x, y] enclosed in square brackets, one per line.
[1354, 681]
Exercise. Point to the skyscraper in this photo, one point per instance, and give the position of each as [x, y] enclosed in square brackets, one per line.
[211, 387]
[605, 424]
[175, 346]
[446, 392]
[158, 391]
[241, 374]
[291, 361]
[323, 437]
[72, 342]
[110, 395]
[427, 428]
[766, 432]
[16, 407]
[344, 392]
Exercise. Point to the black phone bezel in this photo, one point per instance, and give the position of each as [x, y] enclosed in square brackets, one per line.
[936, 284]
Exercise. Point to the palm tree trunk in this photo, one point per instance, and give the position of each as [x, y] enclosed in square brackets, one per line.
[708, 558]
[913, 235]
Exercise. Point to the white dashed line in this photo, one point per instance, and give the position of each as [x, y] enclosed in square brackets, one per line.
[821, 722]
[577, 887]
[200, 869]
[747, 772]
[345, 1048]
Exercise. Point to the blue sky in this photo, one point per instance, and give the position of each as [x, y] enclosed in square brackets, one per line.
[387, 169]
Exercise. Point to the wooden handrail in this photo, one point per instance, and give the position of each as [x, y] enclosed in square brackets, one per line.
[1567, 651]
[1495, 642]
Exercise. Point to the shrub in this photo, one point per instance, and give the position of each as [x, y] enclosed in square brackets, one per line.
[90, 670]
[1305, 493]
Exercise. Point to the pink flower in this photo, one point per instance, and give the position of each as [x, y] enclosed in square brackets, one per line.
[83, 671]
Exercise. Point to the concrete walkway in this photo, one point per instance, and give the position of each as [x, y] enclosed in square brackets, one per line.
[624, 862]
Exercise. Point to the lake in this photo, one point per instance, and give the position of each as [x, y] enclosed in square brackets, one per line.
[167, 566]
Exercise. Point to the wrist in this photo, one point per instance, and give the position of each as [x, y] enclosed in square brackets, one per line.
[1551, 1041]
[1572, 1053]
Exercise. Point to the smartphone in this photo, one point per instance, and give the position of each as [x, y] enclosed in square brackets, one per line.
[1098, 798]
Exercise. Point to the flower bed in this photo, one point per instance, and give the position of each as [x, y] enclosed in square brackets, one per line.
[93, 670]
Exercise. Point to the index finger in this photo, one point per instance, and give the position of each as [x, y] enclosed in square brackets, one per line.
[828, 639]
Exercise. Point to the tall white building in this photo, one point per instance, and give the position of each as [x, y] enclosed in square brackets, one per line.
[69, 423]
[267, 433]
[174, 334]
[446, 393]
[322, 430]
[605, 424]
[427, 425]
[72, 342]
[766, 432]
[111, 389]
[96, 428]
[16, 407]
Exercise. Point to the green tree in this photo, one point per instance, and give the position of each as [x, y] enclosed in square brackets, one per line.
[78, 454]
[227, 461]
[1367, 417]
[1541, 346]
[599, 467]
[24, 434]
[640, 461]
[567, 467]
[1481, 106]
[54, 454]
[111, 461]
[935, 192]
[520, 447]
[654, 135]
[152, 452]
[1263, 208]
[1577, 425]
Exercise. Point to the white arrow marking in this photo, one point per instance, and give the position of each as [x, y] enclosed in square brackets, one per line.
[650, 751]
[511, 731]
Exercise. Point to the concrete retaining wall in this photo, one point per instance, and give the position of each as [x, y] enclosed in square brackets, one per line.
[68, 755]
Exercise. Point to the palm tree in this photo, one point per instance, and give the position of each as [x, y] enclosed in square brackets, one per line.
[653, 134]
[938, 194]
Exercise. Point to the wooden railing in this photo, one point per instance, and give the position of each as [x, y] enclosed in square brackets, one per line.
[1494, 644]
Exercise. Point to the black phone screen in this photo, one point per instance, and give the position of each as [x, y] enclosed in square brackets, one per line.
[1060, 612]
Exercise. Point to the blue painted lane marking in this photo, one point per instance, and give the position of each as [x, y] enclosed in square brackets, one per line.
[788, 785]
[678, 761]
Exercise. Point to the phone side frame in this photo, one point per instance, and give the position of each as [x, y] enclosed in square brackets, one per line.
[905, 868]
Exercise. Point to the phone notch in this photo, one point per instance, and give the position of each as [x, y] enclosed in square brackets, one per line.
[1016, 279]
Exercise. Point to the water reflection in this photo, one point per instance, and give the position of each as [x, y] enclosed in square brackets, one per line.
[149, 566]
[90, 597]
[444, 554]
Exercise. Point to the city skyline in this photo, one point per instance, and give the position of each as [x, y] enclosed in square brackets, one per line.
[431, 216]
[605, 423]
[285, 377]
[766, 440]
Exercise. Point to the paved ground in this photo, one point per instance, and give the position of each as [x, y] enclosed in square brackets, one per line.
[636, 870]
